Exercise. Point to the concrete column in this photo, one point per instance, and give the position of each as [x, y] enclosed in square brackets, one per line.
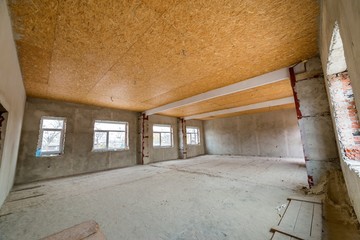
[144, 139]
[314, 119]
[182, 139]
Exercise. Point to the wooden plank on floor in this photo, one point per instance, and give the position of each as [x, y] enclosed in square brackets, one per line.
[291, 214]
[306, 199]
[316, 226]
[280, 236]
[303, 222]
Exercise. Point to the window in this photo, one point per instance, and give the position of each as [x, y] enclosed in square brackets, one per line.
[192, 135]
[162, 136]
[51, 136]
[110, 136]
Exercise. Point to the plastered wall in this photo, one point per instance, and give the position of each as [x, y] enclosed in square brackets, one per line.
[12, 97]
[196, 150]
[157, 154]
[347, 14]
[271, 134]
[78, 156]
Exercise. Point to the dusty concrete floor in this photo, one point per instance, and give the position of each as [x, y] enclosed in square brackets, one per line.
[208, 197]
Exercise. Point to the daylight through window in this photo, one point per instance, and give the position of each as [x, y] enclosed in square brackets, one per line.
[162, 136]
[51, 136]
[192, 135]
[110, 136]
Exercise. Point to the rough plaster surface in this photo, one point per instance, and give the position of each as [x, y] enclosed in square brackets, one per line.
[207, 197]
[346, 14]
[196, 150]
[12, 97]
[167, 153]
[274, 134]
[78, 156]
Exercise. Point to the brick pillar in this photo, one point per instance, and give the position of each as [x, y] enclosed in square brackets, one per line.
[314, 119]
[144, 139]
[182, 139]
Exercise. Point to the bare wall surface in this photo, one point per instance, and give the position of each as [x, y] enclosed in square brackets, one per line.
[196, 150]
[78, 156]
[12, 97]
[316, 126]
[157, 154]
[346, 14]
[272, 134]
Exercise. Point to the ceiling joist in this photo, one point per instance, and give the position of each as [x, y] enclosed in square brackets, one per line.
[272, 103]
[254, 82]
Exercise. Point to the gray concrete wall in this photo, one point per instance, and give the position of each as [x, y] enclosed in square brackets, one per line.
[157, 154]
[78, 156]
[196, 150]
[316, 126]
[346, 13]
[12, 97]
[271, 134]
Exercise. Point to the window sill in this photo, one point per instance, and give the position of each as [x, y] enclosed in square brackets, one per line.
[160, 147]
[110, 150]
[354, 166]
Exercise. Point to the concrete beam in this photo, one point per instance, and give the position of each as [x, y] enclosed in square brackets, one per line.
[254, 82]
[272, 103]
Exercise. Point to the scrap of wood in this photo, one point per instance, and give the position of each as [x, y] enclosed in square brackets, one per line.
[87, 230]
[306, 199]
[291, 233]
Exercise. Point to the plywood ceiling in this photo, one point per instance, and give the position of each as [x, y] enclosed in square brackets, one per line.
[138, 55]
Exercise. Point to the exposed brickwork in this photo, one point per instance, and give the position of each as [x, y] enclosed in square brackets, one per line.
[346, 117]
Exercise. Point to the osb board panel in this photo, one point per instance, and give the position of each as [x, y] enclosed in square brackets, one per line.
[138, 55]
[267, 109]
[264, 93]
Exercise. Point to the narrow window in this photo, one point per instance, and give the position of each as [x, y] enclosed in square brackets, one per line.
[51, 136]
[192, 135]
[110, 136]
[162, 136]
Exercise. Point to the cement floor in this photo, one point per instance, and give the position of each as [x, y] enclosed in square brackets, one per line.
[207, 197]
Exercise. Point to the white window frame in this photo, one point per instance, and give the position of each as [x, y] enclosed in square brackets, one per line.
[39, 152]
[197, 134]
[107, 149]
[171, 135]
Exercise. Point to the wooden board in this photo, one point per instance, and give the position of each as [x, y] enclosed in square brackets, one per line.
[302, 220]
[88, 230]
[139, 55]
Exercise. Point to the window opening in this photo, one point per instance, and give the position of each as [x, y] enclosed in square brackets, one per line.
[162, 135]
[192, 135]
[51, 136]
[110, 136]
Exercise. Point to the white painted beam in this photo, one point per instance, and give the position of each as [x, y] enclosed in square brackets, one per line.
[258, 81]
[271, 103]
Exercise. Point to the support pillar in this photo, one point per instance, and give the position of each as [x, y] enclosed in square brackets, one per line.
[314, 119]
[144, 139]
[182, 139]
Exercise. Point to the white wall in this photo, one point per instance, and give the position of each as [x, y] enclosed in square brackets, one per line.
[347, 14]
[12, 97]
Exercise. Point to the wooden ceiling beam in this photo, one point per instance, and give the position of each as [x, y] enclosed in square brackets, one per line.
[272, 103]
[254, 82]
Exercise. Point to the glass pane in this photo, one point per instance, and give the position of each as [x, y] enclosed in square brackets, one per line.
[52, 123]
[100, 140]
[157, 128]
[165, 139]
[191, 130]
[51, 141]
[188, 141]
[116, 140]
[193, 139]
[156, 139]
[109, 126]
